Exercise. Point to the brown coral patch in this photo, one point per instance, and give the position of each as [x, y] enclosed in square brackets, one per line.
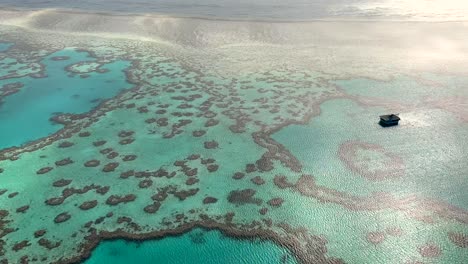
[212, 167]
[245, 196]
[276, 202]
[145, 183]
[48, 244]
[211, 122]
[375, 237]
[258, 180]
[112, 155]
[211, 144]
[88, 205]
[183, 194]
[92, 163]
[44, 170]
[13, 194]
[126, 141]
[65, 144]
[209, 200]
[191, 181]
[61, 183]
[238, 175]
[198, 133]
[99, 143]
[281, 182]
[39, 233]
[84, 134]
[109, 167]
[459, 239]
[64, 162]
[19, 246]
[152, 208]
[116, 199]
[63, 217]
[22, 209]
[125, 133]
[55, 201]
[193, 157]
[430, 251]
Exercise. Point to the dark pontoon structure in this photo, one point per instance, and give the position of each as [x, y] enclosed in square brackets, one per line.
[389, 120]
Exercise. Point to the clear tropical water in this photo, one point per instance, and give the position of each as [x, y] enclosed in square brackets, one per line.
[128, 129]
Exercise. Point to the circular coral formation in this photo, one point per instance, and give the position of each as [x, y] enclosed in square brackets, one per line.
[191, 181]
[109, 167]
[371, 161]
[63, 217]
[88, 205]
[263, 211]
[92, 163]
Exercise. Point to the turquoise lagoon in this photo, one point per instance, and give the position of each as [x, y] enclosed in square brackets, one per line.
[196, 246]
[25, 115]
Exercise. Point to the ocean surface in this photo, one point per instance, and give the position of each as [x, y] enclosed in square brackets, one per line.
[233, 131]
[268, 9]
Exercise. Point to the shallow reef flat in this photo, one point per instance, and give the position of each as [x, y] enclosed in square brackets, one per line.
[247, 139]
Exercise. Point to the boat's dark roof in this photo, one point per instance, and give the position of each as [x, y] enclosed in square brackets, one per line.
[390, 117]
